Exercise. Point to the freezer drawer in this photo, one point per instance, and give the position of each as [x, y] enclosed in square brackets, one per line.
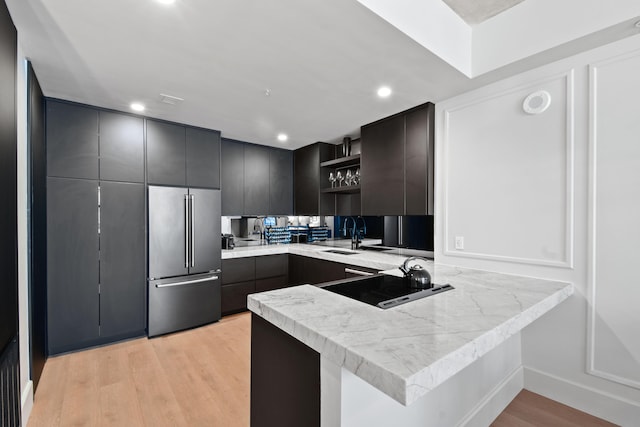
[183, 302]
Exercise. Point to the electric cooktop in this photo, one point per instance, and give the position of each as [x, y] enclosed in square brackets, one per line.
[384, 291]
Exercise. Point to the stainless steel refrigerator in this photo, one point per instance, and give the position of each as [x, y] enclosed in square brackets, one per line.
[184, 258]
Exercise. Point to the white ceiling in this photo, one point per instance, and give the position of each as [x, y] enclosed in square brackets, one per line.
[477, 11]
[322, 62]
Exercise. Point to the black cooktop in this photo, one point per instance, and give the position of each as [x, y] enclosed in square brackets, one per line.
[384, 291]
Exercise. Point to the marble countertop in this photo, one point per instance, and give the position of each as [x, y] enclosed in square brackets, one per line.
[408, 350]
[362, 258]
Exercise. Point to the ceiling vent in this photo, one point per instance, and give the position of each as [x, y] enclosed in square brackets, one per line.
[169, 99]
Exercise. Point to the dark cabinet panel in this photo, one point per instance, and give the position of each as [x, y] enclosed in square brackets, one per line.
[232, 177]
[256, 179]
[397, 172]
[72, 264]
[166, 153]
[419, 152]
[122, 259]
[203, 158]
[121, 147]
[311, 271]
[306, 171]
[280, 182]
[238, 270]
[234, 296]
[8, 212]
[285, 378]
[271, 266]
[72, 140]
[271, 283]
[382, 167]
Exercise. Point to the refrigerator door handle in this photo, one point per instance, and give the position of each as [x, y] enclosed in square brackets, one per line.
[187, 282]
[186, 231]
[192, 198]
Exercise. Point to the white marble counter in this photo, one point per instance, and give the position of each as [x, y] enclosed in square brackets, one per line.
[369, 259]
[408, 350]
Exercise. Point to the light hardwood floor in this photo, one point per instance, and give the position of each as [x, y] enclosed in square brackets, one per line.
[197, 378]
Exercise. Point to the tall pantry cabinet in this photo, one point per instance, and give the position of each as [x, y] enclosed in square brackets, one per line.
[95, 226]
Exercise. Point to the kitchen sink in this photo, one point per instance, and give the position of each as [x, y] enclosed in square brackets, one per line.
[375, 248]
[341, 252]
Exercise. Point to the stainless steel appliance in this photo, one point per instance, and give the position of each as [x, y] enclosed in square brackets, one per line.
[384, 291]
[184, 258]
[228, 241]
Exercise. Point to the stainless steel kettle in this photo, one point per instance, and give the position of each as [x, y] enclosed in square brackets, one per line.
[416, 275]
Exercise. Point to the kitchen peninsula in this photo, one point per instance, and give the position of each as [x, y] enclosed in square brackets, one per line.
[452, 359]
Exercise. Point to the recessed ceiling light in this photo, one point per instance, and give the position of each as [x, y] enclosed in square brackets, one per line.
[282, 137]
[136, 106]
[384, 91]
[167, 1]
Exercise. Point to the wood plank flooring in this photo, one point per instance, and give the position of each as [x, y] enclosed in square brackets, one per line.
[197, 378]
[532, 410]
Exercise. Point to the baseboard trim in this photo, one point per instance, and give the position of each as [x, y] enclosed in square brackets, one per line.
[27, 403]
[607, 406]
[488, 409]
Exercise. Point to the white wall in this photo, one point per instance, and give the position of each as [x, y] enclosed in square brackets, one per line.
[519, 188]
[26, 385]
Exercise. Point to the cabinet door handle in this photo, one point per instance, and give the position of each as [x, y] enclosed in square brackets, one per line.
[358, 272]
[193, 226]
[186, 231]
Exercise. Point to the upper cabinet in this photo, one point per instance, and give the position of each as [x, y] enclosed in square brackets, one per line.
[308, 198]
[255, 179]
[85, 142]
[72, 140]
[184, 156]
[121, 147]
[232, 177]
[280, 182]
[397, 164]
[203, 158]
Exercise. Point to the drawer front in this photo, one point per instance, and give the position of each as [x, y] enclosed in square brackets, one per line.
[238, 270]
[234, 296]
[271, 283]
[271, 266]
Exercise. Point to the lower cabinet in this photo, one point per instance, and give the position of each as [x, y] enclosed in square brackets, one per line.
[95, 263]
[305, 270]
[244, 276]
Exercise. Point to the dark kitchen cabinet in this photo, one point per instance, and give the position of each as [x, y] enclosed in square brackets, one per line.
[256, 179]
[419, 160]
[280, 182]
[121, 147]
[95, 265]
[183, 156]
[244, 276]
[72, 140]
[203, 158]
[122, 259]
[397, 164]
[308, 198]
[232, 177]
[72, 264]
[306, 270]
[166, 153]
[238, 281]
[272, 272]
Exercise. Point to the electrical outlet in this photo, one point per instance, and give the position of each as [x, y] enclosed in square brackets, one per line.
[459, 243]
